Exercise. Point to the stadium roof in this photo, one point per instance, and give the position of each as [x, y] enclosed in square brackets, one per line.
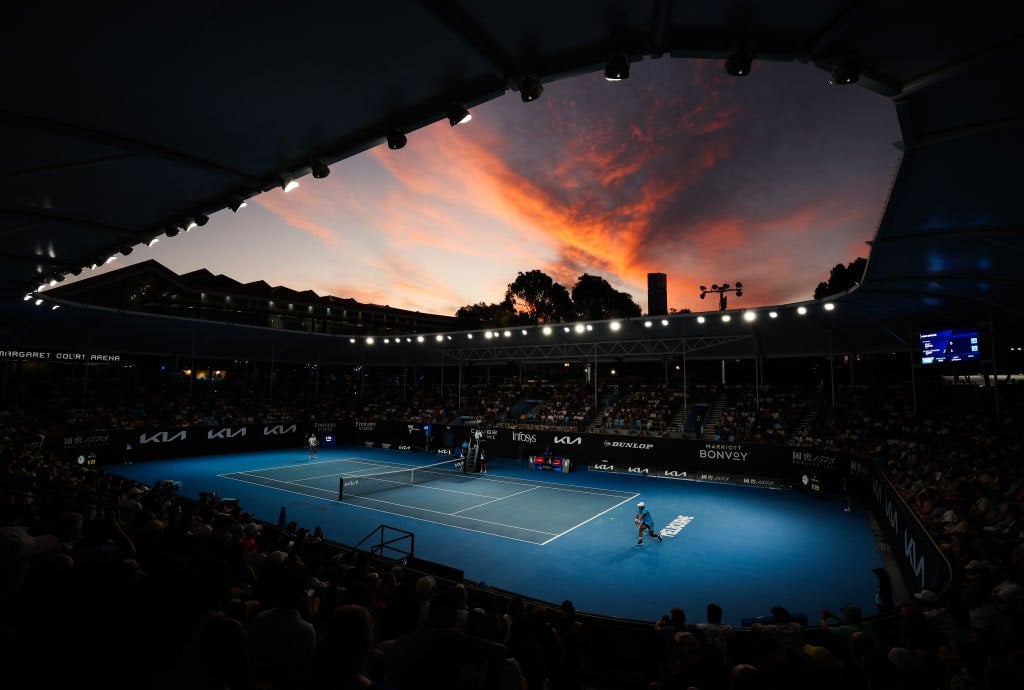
[119, 122]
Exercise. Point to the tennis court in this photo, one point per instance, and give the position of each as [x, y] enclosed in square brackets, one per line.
[554, 536]
[502, 506]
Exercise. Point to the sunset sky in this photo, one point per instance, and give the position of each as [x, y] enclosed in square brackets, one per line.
[770, 179]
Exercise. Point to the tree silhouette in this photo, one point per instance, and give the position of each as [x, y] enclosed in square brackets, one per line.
[594, 298]
[842, 278]
[543, 300]
[481, 315]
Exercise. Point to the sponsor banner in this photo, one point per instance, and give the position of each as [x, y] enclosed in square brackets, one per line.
[921, 562]
[724, 452]
[225, 433]
[672, 458]
[396, 435]
[815, 459]
[89, 441]
[702, 460]
[153, 444]
[765, 483]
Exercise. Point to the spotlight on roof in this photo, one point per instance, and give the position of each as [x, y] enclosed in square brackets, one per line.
[846, 70]
[288, 183]
[396, 139]
[201, 219]
[617, 68]
[172, 231]
[319, 168]
[237, 204]
[737, 64]
[530, 88]
[126, 249]
[457, 115]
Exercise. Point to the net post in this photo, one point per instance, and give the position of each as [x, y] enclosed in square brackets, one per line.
[341, 487]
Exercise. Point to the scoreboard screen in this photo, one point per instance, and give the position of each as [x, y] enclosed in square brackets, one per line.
[950, 345]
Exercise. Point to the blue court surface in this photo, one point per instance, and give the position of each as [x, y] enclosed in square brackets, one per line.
[553, 536]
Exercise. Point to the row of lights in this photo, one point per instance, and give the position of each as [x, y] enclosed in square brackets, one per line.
[845, 69]
[748, 315]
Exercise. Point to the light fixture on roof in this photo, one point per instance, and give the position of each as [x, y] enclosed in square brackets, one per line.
[829, 306]
[172, 231]
[189, 224]
[458, 115]
[288, 183]
[846, 70]
[396, 139]
[319, 168]
[530, 88]
[617, 68]
[201, 219]
[126, 249]
[237, 204]
[737, 63]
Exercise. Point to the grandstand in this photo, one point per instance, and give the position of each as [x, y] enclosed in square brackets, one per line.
[133, 584]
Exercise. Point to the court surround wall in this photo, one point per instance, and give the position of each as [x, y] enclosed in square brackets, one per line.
[817, 471]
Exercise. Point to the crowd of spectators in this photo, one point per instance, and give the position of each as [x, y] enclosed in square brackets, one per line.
[642, 410]
[768, 414]
[136, 587]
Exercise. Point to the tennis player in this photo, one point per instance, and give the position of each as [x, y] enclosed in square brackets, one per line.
[644, 523]
[313, 443]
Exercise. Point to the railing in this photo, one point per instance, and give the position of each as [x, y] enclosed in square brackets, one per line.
[385, 547]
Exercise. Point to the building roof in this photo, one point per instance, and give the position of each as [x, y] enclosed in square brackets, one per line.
[120, 123]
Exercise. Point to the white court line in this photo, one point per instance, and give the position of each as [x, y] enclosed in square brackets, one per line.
[441, 512]
[264, 485]
[588, 520]
[533, 484]
[500, 498]
[304, 463]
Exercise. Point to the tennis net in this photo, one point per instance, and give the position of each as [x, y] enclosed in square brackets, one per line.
[363, 484]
